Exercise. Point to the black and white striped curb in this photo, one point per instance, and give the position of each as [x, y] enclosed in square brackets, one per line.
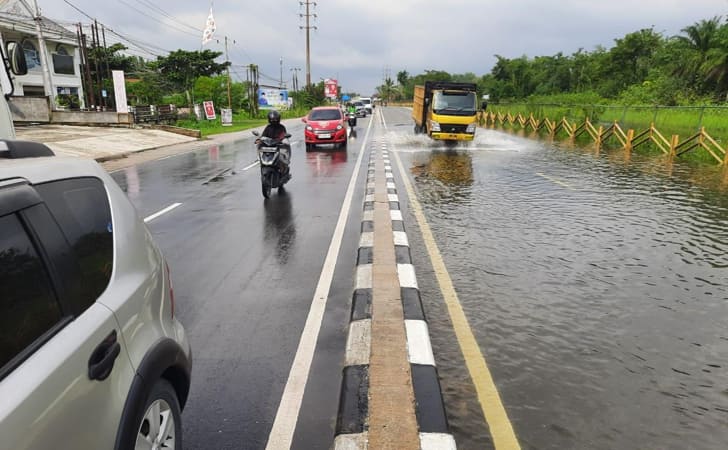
[352, 420]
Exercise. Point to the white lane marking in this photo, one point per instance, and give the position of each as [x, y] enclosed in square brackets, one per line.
[407, 278]
[284, 425]
[358, 344]
[162, 212]
[400, 238]
[395, 214]
[251, 166]
[437, 441]
[419, 348]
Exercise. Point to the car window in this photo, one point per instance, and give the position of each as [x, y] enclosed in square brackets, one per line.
[28, 305]
[325, 114]
[82, 210]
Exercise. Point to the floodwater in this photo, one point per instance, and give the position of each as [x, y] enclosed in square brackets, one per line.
[596, 285]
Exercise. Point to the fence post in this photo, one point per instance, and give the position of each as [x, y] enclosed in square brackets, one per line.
[599, 136]
[630, 138]
[673, 145]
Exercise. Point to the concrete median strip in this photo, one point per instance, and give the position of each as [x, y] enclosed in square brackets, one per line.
[390, 393]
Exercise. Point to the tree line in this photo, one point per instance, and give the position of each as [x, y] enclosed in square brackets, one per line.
[181, 78]
[643, 67]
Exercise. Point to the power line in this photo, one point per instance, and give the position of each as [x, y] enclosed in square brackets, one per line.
[167, 15]
[156, 20]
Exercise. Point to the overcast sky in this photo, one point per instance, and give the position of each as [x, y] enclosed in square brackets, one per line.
[357, 41]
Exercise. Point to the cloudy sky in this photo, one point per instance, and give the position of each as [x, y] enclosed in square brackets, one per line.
[357, 42]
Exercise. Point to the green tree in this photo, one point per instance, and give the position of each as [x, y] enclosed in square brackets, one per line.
[181, 67]
[402, 77]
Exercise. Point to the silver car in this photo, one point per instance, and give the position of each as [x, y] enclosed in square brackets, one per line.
[91, 355]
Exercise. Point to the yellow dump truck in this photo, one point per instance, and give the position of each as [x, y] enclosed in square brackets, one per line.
[445, 110]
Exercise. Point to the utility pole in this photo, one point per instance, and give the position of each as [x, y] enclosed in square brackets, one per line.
[227, 60]
[47, 80]
[294, 78]
[308, 28]
[281, 83]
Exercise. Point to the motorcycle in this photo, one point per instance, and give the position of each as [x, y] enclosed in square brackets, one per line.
[351, 117]
[274, 156]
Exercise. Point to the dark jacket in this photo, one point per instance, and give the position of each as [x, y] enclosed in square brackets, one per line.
[275, 131]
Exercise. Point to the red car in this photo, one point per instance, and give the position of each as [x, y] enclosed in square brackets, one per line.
[325, 125]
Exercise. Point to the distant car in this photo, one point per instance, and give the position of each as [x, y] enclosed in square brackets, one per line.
[368, 104]
[361, 110]
[325, 125]
[91, 354]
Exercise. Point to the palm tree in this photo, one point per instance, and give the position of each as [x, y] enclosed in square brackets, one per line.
[700, 39]
[716, 63]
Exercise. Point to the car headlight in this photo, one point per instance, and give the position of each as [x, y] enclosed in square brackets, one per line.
[434, 126]
[471, 128]
[339, 126]
[309, 127]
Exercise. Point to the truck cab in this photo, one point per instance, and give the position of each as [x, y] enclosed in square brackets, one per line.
[445, 111]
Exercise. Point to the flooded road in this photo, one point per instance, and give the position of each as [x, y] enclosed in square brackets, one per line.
[596, 288]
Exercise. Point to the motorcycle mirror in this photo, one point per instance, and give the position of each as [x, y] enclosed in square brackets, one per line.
[288, 135]
[303, 119]
[255, 133]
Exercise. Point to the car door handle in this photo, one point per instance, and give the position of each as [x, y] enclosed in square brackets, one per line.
[102, 359]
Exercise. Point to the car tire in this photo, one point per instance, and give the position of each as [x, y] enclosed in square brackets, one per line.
[161, 423]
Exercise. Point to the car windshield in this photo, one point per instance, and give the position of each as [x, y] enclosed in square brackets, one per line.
[324, 114]
[452, 101]
[366, 101]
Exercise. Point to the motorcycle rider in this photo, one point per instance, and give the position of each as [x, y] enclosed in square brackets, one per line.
[276, 130]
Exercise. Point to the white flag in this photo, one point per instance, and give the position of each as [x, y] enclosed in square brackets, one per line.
[209, 29]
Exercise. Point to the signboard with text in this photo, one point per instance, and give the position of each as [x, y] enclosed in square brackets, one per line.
[209, 110]
[331, 88]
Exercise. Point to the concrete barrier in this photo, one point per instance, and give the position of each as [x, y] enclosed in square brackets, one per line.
[30, 109]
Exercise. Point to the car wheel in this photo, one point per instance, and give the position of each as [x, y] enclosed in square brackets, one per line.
[161, 424]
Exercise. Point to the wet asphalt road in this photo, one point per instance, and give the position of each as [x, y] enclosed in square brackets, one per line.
[595, 287]
[244, 271]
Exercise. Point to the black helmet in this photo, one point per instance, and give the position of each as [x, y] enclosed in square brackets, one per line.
[274, 117]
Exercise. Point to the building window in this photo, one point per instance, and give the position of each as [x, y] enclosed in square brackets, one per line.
[62, 61]
[32, 58]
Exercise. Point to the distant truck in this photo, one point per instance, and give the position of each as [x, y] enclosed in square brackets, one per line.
[445, 111]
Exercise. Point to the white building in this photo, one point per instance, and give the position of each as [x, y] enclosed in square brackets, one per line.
[62, 52]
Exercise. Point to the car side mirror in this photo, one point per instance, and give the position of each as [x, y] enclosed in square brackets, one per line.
[483, 106]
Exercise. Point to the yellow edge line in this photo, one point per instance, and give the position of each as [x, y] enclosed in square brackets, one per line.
[554, 180]
[504, 438]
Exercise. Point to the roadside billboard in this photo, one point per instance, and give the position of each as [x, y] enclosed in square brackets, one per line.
[209, 109]
[331, 88]
[271, 97]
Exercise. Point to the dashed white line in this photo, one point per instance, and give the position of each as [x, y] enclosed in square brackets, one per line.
[162, 212]
[251, 166]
